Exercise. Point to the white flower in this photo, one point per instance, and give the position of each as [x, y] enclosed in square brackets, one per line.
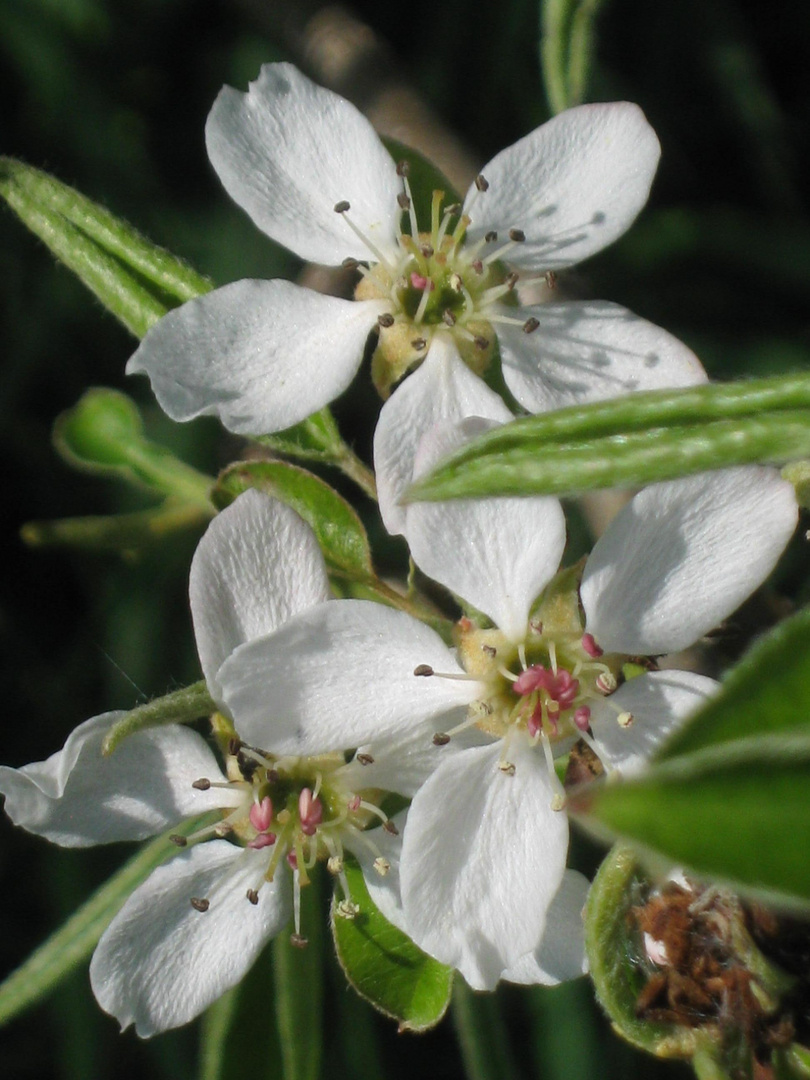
[196, 925]
[484, 850]
[313, 175]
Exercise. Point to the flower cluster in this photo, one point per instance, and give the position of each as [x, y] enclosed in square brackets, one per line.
[328, 709]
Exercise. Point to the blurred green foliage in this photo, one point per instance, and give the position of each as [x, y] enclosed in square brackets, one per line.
[111, 96]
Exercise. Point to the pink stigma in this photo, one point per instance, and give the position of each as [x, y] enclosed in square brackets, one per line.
[264, 839]
[590, 646]
[561, 688]
[419, 281]
[310, 812]
[261, 814]
[292, 860]
[354, 803]
[582, 718]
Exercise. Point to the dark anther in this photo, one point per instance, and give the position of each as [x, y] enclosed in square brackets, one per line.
[200, 905]
[490, 650]
[481, 342]
[419, 344]
[350, 264]
[477, 266]
[404, 201]
[491, 237]
[441, 739]
[403, 168]
[511, 280]
[342, 206]
[454, 208]
[253, 896]
[530, 325]
[551, 279]
[365, 759]
[448, 317]
[234, 745]
[247, 765]
[272, 776]
[423, 669]
[179, 840]
[517, 235]
[385, 320]
[202, 784]
[391, 828]
[298, 941]
[427, 251]
[481, 183]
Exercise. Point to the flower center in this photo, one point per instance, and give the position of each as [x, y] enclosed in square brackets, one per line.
[436, 283]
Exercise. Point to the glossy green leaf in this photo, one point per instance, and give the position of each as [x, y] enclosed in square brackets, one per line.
[631, 441]
[738, 812]
[103, 434]
[385, 967]
[767, 693]
[298, 977]
[133, 278]
[75, 941]
[337, 527]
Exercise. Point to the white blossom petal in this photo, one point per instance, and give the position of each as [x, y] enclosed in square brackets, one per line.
[572, 186]
[77, 797]
[561, 953]
[497, 554]
[341, 675]
[257, 565]
[483, 856]
[288, 151]
[587, 351]
[161, 962]
[659, 703]
[683, 555]
[442, 388]
[260, 355]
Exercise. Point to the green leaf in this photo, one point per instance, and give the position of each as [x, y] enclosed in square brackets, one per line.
[299, 991]
[631, 441]
[737, 812]
[385, 967]
[74, 941]
[179, 707]
[337, 527]
[767, 693]
[133, 278]
[103, 434]
[566, 48]
[613, 956]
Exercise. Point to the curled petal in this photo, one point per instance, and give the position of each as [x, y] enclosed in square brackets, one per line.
[257, 565]
[683, 555]
[77, 797]
[571, 186]
[260, 355]
[161, 961]
[288, 151]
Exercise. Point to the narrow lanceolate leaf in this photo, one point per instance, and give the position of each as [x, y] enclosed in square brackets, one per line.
[385, 967]
[566, 46]
[133, 278]
[337, 527]
[74, 941]
[767, 693]
[631, 441]
[738, 812]
[298, 977]
[179, 707]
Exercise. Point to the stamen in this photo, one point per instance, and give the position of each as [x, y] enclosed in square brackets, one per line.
[350, 264]
[181, 841]
[606, 683]
[200, 903]
[506, 767]
[590, 646]
[448, 318]
[253, 896]
[481, 183]
[517, 236]
[552, 655]
[427, 289]
[261, 814]
[334, 864]
[625, 719]
[385, 320]
[551, 279]
[365, 759]
[298, 942]
[382, 866]
[310, 812]
[441, 738]
[391, 828]
[347, 909]
[530, 325]
[411, 208]
[419, 343]
[202, 784]
[491, 237]
[425, 670]
[582, 718]
[341, 208]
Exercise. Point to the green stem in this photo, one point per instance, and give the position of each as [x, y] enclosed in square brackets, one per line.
[216, 1024]
[184, 705]
[482, 1036]
[351, 465]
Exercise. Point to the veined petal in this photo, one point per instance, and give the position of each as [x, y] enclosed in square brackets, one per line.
[257, 565]
[482, 858]
[260, 355]
[683, 555]
[288, 151]
[77, 797]
[160, 962]
[341, 675]
[658, 704]
[442, 388]
[572, 186]
[590, 350]
[560, 954]
[497, 554]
